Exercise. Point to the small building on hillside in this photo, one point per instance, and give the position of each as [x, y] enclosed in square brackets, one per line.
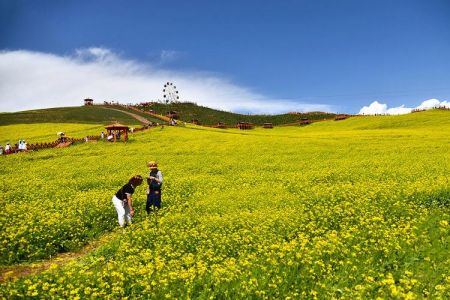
[305, 121]
[88, 101]
[116, 131]
[267, 125]
[245, 125]
[341, 117]
[220, 125]
[195, 121]
[172, 114]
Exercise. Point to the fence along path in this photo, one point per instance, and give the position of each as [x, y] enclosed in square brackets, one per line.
[69, 141]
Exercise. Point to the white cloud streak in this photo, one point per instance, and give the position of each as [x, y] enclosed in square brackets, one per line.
[168, 56]
[377, 108]
[30, 80]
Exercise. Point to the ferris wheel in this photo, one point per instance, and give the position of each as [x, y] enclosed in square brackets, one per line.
[170, 93]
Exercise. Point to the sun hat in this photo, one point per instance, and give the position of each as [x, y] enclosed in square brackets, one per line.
[152, 164]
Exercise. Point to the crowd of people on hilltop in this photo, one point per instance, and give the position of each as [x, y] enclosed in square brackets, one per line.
[8, 149]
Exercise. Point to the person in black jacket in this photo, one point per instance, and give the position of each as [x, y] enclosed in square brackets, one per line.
[154, 180]
[123, 202]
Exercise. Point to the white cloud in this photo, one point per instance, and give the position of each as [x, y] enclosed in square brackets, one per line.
[429, 104]
[168, 55]
[376, 108]
[30, 80]
[445, 104]
[401, 110]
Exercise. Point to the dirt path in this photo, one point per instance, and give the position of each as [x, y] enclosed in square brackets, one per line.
[137, 117]
[21, 270]
[63, 145]
[160, 117]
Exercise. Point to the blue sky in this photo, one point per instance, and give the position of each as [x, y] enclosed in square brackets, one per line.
[337, 55]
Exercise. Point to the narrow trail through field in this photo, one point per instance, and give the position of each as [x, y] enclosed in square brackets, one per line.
[60, 259]
[137, 117]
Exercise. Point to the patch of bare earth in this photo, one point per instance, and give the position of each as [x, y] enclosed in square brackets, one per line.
[21, 270]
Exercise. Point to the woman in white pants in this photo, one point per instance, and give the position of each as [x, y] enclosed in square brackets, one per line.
[123, 202]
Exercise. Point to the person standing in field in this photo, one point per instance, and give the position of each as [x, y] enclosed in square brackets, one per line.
[123, 202]
[154, 180]
[8, 149]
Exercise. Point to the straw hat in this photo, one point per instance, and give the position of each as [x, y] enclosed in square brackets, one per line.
[152, 164]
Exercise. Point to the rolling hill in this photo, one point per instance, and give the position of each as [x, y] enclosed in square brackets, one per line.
[102, 114]
[207, 116]
[79, 114]
[355, 209]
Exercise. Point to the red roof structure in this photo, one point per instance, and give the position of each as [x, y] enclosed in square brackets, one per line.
[117, 130]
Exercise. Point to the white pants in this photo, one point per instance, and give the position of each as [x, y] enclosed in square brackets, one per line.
[123, 211]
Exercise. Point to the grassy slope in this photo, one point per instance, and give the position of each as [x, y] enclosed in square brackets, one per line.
[327, 208]
[81, 114]
[46, 132]
[148, 117]
[422, 120]
[208, 116]
[187, 112]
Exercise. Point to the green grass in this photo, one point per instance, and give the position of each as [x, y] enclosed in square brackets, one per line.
[99, 114]
[80, 114]
[142, 114]
[208, 116]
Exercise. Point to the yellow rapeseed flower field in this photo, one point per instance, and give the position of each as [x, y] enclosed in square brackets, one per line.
[351, 209]
[45, 132]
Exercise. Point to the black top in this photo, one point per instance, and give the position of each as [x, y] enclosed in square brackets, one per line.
[126, 189]
[153, 184]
